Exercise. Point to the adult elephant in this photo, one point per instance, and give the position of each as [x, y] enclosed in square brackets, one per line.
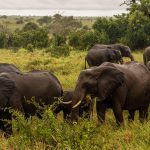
[85, 109]
[146, 55]
[96, 56]
[29, 92]
[125, 50]
[5, 67]
[117, 86]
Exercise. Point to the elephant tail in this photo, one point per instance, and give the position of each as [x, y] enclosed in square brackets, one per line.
[85, 63]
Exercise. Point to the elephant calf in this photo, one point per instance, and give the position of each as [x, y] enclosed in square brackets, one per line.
[85, 110]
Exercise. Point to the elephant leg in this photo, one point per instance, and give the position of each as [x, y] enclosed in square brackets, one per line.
[131, 115]
[15, 104]
[118, 112]
[100, 109]
[75, 114]
[143, 114]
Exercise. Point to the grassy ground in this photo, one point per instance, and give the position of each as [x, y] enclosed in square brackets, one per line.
[51, 133]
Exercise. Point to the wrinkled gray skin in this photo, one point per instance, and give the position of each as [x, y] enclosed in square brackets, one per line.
[146, 55]
[96, 56]
[85, 108]
[18, 89]
[125, 50]
[117, 86]
[5, 67]
[148, 65]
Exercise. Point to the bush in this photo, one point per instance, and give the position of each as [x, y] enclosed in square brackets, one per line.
[85, 39]
[15, 40]
[58, 51]
[3, 40]
[58, 40]
[30, 47]
[38, 38]
[30, 26]
[91, 38]
[136, 35]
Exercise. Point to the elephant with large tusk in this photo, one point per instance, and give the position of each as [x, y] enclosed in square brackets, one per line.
[120, 87]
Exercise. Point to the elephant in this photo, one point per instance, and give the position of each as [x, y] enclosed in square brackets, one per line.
[120, 87]
[85, 109]
[125, 50]
[148, 65]
[28, 92]
[96, 56]
[5, 67]
[146, 55]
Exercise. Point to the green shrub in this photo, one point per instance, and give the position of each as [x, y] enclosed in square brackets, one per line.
[85, 39]
[30, 26]
[58, 51]
[30, 47]
[15, 40]
[3, 40]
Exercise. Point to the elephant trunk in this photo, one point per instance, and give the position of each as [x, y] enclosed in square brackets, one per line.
[85, 63]
[78, 96]
[131, 57]
[121, 61]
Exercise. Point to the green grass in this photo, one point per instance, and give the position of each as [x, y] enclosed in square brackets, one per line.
[51, 133]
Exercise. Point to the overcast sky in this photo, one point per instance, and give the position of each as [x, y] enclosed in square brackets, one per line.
[62, 4]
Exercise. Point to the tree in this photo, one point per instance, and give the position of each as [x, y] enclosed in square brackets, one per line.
[44, 20]
[30, 26]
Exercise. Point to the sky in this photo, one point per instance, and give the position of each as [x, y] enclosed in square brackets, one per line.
[63, 4]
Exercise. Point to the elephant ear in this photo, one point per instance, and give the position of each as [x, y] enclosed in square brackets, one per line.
[6, 90]
[110, 79]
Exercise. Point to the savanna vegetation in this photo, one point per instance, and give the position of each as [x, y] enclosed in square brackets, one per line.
[58, 44]
[52, 133]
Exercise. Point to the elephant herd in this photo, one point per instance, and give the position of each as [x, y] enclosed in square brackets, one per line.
[124, 86]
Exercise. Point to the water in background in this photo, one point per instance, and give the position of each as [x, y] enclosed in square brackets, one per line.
[49, 12]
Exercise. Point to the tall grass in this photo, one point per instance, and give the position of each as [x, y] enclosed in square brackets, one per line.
[52, 133]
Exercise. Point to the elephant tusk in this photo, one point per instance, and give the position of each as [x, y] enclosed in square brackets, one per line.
[76, 105]
[67, 102]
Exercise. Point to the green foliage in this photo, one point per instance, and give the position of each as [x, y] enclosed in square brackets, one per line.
[83, 39]
[37, 38]
[15, 40]
[58, 40]
[113, 27]
[3, 40]
[30, 47]
[44, 20]
[136, 35]
[131, 29]
[20, 21]
[58, 51]
[30, 26]
[63, 25]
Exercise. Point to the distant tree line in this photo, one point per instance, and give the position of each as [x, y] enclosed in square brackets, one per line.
[62, 33]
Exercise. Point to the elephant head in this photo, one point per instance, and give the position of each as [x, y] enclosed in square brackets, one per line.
[125, 50]
[101, 81]
[118, 56]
